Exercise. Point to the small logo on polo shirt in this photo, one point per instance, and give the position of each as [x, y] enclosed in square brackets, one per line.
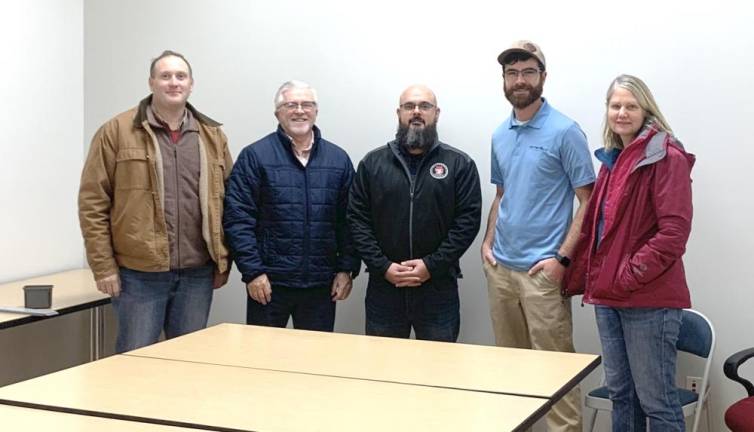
[438, 170]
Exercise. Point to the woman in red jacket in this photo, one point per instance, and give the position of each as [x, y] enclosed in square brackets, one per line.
[628, 258]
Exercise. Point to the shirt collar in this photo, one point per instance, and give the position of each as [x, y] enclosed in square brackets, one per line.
[535, 122]
[188, 123]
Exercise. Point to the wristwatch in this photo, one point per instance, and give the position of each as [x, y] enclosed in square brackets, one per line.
[563, 260]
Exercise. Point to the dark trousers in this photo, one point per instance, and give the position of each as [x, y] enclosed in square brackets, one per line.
[311, 309]
[432, 309]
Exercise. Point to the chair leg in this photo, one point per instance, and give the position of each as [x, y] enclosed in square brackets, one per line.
[591, 419]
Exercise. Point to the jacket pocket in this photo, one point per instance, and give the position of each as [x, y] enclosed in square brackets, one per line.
[133, 232]
[132, 169]
[443, 284]
[625, 279]
[604, 283]
[218, 174]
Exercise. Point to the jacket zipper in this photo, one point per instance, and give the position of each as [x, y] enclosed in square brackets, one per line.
[306, 224]
[411, 220]
[177, 211]
[411, 189]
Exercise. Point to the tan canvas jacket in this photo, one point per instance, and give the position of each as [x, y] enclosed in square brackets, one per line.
[121, 194]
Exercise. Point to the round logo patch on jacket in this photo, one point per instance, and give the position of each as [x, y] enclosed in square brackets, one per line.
[438, 170]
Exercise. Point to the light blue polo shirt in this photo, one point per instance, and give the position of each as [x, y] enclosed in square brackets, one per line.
[538, 164]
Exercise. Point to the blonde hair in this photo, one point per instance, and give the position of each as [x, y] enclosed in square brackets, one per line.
[646, 101]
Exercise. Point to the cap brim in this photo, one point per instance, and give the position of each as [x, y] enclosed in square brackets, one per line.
[506, 53]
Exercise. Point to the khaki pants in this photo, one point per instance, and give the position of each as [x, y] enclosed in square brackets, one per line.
[529, 312]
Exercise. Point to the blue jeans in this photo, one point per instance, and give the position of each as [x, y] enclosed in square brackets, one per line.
[639, 357]
[310, 308]
[176, 301]
[432, 309]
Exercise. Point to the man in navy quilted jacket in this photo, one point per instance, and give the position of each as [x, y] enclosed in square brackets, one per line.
[285, 219]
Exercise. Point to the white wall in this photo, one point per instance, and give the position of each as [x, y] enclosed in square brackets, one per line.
[696, 58]
[41, 154]
[41, 116]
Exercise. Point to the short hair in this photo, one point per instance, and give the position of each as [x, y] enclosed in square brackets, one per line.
[641, 92]
[169, 53]
[518, 56]
[290, 85]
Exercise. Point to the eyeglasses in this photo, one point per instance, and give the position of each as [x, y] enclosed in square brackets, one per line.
[423, 106]
[294, 106]
[529, 74]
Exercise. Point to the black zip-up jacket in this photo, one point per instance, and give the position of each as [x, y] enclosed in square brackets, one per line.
[434, 217]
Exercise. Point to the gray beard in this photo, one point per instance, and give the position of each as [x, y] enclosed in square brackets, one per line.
[415, 138]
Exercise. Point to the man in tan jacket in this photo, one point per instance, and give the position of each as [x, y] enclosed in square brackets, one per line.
[151, 208]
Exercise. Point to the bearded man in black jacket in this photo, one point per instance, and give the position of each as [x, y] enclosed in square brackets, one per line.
[414, 209]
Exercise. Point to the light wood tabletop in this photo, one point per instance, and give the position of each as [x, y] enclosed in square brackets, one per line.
[72, 291]
[198, 394]
[14, 418]
[472, 367]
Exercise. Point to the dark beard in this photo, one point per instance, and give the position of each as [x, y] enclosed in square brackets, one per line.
[416, 138]
[522, 102]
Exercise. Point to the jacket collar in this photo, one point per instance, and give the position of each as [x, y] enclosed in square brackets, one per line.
[141, 114]
[649, 147]
[285, 139]
[396, 148]
[535, 122]
[607, 157]
[654, 143]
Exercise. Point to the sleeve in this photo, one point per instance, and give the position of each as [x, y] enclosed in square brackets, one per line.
[361, 223]
[228, 167]
[227, 155]
[465, 226]
[575, 156]
[348, 260]
[671, 192]
[496, 173]
[95, 202]
[241, 214]
[574, 279]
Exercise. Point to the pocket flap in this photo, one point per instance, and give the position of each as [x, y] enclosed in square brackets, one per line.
[131, 154]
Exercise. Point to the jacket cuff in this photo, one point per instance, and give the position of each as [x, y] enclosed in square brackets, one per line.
[382, 269]
[432, 267]
[103, 271]
[248, 277]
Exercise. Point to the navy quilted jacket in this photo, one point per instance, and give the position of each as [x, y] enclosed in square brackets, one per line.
[289, 220]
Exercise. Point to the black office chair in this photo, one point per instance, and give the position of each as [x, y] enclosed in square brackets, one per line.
[739, 417]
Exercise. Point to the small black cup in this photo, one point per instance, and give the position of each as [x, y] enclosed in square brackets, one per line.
[38, 296]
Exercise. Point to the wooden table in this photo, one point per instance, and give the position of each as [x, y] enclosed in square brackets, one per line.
[72, 291]
[512, 371]
[218, 397]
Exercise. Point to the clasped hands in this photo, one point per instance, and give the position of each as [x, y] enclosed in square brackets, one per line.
[411, 273]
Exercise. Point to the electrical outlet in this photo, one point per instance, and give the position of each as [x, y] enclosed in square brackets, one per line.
[693, 383]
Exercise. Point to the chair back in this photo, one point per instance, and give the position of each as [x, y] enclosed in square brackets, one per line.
[697, 336]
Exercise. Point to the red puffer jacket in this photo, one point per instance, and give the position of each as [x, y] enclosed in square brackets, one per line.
[646, 204]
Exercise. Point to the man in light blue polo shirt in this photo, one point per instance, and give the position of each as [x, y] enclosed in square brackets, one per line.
[540, 161]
